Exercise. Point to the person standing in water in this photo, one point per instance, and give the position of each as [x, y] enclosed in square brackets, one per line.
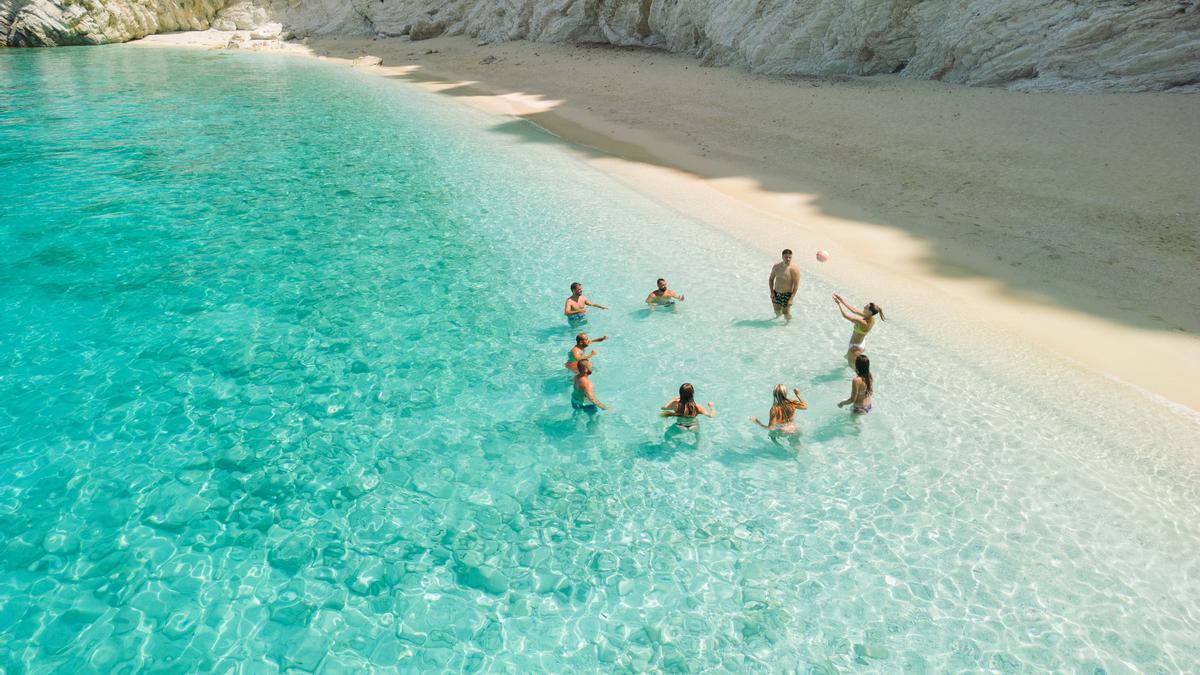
[582, 341]
[861, 387]
[783, 283]
[685, 410]
[662, 296]
[583, 394]
[863, 322]
[782, 418]
[576, 307]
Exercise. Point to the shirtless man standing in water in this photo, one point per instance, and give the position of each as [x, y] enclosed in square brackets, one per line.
[784, 282]
[576, 307]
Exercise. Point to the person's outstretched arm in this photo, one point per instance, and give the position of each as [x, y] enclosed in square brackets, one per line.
[842, 303]
[800, 402]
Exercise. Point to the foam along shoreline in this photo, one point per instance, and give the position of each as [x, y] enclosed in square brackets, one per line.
[1067, 222]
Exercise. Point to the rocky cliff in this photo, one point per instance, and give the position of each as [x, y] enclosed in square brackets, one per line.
[37, 23]
[1127, 45]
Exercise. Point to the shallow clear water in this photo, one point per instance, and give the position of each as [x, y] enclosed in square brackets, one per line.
[281, 387]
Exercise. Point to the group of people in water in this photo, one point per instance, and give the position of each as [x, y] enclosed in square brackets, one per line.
[784, 282]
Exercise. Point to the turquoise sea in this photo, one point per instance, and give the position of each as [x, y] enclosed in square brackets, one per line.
[281, 388]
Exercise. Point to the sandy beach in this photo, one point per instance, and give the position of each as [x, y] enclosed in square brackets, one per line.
[1067, 222]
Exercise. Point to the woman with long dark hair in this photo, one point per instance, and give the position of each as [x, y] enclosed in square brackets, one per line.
[685, 410]
[782, 418]
[863, 320]
[862, 387]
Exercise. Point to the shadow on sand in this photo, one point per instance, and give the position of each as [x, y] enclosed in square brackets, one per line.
[947, 248]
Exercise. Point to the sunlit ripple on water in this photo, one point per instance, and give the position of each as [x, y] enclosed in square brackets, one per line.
[280, 387]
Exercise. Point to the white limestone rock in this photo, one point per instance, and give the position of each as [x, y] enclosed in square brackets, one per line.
[1023, 44]
[37, 23]
[244, 16]
[267, 31]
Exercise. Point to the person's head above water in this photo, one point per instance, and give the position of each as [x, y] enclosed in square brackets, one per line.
[874, 309]
[582, 340]
[583, 367]
[787, 255]
[862, 366]
[662, 284]
[576, 287]
[781, 394]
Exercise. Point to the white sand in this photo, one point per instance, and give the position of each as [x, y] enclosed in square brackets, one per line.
[1068, 222]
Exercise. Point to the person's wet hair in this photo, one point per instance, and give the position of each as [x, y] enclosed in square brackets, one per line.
[787, 251]
[875, 309]
[862, 366]
[687, 401]
[575, 286]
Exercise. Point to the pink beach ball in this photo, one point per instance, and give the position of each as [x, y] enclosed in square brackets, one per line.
[822, 256]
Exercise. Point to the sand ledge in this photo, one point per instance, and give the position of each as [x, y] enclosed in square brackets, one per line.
[1064, 221]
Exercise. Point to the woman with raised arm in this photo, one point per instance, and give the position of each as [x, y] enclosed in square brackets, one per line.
[862, 387]
[685, 410]
[863, 322]
[782, 418]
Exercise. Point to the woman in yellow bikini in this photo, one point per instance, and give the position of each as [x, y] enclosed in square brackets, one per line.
[863, 322]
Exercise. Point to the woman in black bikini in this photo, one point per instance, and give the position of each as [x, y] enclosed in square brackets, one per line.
[685, 410]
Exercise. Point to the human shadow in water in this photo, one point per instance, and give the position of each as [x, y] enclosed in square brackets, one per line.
[563, 428]
[558, 383]
[773, 449]
[757, 323]
[837, 374]
[843, 425]
[647, 311]
[673, 441]
[558, 332]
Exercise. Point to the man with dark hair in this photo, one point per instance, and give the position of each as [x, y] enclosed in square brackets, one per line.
[576, 307]
[784, 282]
[662, 295]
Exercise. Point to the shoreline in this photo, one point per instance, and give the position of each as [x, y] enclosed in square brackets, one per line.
[971, 261]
